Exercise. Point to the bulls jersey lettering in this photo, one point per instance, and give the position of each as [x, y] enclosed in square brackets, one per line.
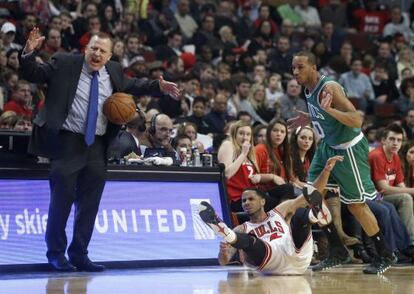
[282, 257]
[273, 228]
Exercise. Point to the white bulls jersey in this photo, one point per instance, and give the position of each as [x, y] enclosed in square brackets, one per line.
[282, 257]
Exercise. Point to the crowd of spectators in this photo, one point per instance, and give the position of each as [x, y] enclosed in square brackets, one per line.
[232, 62]
[237, 53]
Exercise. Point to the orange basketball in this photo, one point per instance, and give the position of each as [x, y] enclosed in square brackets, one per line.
[119, 108]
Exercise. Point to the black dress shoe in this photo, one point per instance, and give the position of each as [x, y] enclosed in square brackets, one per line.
[61, 264]
[85, 264]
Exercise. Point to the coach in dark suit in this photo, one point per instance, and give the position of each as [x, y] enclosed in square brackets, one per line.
[72, 131]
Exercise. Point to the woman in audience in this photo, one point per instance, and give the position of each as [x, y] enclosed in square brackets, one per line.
[321, 53]
[13, 59]
[407, 158]
[118, 52]
[302, 149]
[259, 134]
[238, 155]
[107, 15]
[273, 159]
[128, 24]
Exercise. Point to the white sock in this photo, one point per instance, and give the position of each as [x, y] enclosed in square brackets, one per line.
[225, 232]
[231, 236]
[324, 217]
[312, 218]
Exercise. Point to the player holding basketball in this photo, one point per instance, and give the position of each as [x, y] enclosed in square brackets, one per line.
[72, 131]
[280, 241]
[338, 124]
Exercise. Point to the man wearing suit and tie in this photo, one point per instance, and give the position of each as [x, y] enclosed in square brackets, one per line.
[72, 131]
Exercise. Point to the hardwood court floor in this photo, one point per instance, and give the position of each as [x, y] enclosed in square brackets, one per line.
[209, 280]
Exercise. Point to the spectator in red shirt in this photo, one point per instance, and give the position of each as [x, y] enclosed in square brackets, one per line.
[241, 168]
[21, 100]
[264, 15]
[238, 156]
[388, 176]
[371, 20]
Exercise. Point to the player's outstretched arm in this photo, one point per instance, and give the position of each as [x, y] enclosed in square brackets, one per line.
[334, 102]
[322, 180]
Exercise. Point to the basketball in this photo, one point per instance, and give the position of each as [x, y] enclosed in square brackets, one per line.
[119, 108]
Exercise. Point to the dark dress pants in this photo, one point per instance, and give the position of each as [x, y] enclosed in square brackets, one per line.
[77, 177]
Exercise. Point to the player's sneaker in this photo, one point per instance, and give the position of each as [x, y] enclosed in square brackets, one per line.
[334, 259]
[379, 266]
[331, 262]
[319, 211]
[209, 216]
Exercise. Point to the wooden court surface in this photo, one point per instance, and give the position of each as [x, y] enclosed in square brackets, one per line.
[209, 280]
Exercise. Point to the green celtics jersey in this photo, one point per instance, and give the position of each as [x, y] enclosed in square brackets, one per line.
[329, 129]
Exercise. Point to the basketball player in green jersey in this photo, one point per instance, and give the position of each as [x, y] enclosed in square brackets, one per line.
[338, 124]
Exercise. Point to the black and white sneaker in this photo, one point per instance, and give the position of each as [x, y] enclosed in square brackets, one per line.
[334, 259]
[209, 216]
[379, 266]
[320, 211]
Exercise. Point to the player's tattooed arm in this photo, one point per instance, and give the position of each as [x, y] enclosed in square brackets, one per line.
[322, 180]
[226, 250]
[334, 101]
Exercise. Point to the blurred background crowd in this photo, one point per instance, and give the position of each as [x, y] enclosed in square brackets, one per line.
[232, 59]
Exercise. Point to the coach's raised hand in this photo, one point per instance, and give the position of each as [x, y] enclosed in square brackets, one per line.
[169, 88]
[34, 41]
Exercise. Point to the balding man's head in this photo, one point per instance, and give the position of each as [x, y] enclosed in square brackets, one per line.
[163, 128]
